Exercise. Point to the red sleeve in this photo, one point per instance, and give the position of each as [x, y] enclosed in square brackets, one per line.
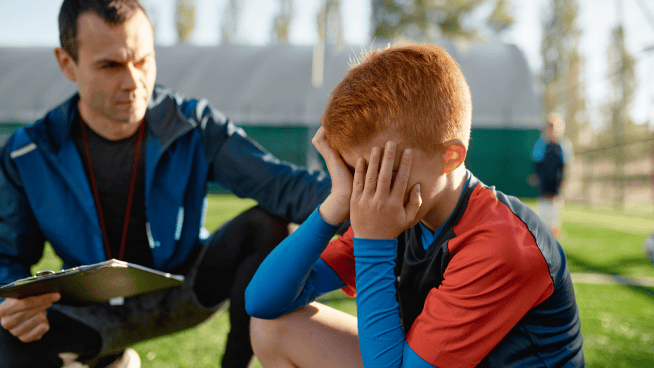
[495, 276]
[339, 255]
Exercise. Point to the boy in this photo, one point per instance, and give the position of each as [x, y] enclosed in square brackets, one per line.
[552, 152]
[447, 272]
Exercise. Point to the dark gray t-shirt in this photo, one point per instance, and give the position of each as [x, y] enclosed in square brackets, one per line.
[113, 163]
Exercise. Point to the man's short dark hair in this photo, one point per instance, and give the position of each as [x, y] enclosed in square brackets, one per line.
[111, 11]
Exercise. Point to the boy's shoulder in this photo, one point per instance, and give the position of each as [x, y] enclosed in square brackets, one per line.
[502, 227]
[495, 216]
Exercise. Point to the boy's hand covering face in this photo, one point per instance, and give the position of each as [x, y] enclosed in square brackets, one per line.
[336, 207]
[377, 204]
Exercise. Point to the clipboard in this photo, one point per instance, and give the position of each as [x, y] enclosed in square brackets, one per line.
[96, 283]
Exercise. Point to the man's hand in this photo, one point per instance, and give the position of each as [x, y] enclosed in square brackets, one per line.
[26, 318]
[336, 207]
[377, 205]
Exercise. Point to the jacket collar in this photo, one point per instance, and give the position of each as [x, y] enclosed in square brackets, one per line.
[165, 120]
[61, 120]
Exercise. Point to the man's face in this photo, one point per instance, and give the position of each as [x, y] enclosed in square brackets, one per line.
[116, 70]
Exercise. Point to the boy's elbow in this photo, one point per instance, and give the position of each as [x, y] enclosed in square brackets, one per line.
[257, 306]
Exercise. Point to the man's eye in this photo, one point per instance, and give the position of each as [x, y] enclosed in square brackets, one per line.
[111, 65]
[140, 63]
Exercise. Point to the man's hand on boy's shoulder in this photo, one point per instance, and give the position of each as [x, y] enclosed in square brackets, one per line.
[377, 209]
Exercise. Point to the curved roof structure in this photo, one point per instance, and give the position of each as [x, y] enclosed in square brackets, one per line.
[272, 84]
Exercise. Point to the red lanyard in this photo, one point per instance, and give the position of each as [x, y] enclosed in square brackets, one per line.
[94, 185]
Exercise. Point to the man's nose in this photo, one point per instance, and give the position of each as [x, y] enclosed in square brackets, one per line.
[131, 77]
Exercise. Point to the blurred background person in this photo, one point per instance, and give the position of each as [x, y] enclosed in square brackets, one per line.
[552, 153]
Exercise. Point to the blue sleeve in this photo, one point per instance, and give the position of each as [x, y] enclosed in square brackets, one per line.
[293, 275]
[381, 337]
[21, 240]
[245, 168]
[539, 150]
[413, 360]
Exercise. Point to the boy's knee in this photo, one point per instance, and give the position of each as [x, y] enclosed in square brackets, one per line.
[265, 335]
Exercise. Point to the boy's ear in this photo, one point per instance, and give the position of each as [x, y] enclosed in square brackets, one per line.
[66, 63]
[454, 155]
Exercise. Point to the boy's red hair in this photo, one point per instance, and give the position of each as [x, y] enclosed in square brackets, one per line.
[416, 90]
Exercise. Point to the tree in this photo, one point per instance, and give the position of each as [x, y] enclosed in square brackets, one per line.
[282, 21]
[501, 18]
[622, 78]
[562, 77]
[432, 19]
[330, 28]
[185, 20]
[230, 18]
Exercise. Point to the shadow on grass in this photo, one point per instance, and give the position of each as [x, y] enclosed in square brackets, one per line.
[612, 269]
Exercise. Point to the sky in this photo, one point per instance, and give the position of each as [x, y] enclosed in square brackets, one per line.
[34, 23]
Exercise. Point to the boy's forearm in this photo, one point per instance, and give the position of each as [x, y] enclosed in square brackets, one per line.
[381, 336]
[281, 280]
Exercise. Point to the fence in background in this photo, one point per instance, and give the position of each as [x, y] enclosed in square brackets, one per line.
[617, 175]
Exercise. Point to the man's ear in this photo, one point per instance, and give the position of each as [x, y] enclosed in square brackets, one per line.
[454, 155]
[66, 64]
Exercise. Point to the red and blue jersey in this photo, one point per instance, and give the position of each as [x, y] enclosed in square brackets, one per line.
[492, 290]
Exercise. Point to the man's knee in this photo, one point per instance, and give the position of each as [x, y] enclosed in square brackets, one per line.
[15, 353]
[264, 220]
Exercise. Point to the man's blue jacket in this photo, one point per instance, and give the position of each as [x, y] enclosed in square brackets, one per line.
[45, 195]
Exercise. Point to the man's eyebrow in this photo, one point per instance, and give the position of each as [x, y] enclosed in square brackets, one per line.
[106, 61]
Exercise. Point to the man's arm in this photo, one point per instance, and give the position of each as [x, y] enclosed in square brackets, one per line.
[249, 171]
[21, 241]
[21, 245]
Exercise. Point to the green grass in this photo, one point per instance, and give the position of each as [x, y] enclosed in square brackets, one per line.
[617, 321]
[617, 324]
[606, 241]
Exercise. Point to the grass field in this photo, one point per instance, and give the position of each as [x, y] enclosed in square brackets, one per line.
[617, 319]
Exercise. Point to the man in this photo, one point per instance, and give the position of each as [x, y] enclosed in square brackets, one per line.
[552, 153]
[120, 170]
[447, 271]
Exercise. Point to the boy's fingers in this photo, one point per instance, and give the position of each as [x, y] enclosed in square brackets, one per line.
[320, 142]
[402, 177]
[358, 183]
[386, 170]
[415, 201]
[320, 135]
[373, 170]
